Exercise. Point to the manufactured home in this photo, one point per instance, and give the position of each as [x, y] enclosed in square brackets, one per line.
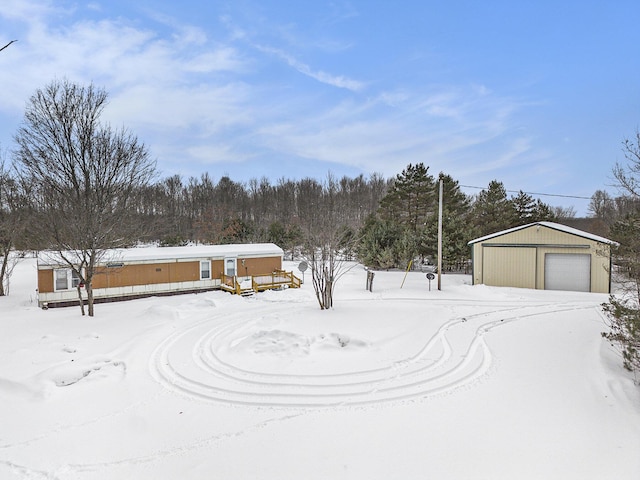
[543, 255]
[142, 272]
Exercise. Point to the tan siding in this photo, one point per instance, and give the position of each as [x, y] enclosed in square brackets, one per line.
[600, 269]
[258, 266]
[217, 269]
[539, 235]
[495, 265]
[146, 274]
[509, 267]
[184, 271]
[477, 264]
[45, 281]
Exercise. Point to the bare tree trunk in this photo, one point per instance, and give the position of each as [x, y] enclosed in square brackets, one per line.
[325, 256]
[89, 289]
[83, 177]
[80, 299]
[4, 251]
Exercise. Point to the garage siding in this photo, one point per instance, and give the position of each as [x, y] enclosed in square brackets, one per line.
[516, 258]
[509, 267]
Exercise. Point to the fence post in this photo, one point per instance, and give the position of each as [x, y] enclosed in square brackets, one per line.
[370, 276]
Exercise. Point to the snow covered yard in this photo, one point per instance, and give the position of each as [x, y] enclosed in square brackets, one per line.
[470, 382]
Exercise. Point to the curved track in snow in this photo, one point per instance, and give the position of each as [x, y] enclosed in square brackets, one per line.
[189, 363]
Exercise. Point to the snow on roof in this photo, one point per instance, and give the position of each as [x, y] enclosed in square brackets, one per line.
[552, 225]
[170, 253]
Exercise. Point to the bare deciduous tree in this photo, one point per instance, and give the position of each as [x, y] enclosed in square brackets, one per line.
[11, 223]
[328, 259]
[327, 249]
[628, 175]
[82, 176]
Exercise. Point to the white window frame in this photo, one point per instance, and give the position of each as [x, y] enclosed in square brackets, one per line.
[72, 280]
[208, 269]
[231, 272]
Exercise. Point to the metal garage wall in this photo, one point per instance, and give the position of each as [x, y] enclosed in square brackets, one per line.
[496, 258]
[509, 266]
[567, 271]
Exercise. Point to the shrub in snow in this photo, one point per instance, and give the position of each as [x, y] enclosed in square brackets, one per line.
[624, 325]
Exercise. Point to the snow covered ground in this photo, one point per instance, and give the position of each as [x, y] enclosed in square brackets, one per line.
[470, 382]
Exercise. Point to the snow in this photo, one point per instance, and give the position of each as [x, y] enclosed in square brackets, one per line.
[147, 253]
[553, 226]
[471, 382]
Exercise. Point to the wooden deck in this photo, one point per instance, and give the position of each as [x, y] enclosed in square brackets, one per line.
[258, 283]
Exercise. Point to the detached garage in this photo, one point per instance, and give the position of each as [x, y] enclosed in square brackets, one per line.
[543, 255]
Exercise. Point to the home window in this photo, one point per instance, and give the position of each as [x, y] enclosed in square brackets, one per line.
[62, 279]
[65, 279]
[205, 270]
[75, 279]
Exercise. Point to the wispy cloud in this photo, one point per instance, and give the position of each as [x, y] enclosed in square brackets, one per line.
[442, 129]
[200, 102]
[339, 81]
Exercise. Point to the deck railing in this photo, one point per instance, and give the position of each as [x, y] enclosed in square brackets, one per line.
[269, 281]
[230, 284]
[277, 278]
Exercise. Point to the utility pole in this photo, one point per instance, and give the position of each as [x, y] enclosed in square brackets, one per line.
[440, 237]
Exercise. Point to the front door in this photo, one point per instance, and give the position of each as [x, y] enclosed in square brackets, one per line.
[230, 267]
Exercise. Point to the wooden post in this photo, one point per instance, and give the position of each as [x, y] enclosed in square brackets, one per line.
[406, 273]
[370, 276]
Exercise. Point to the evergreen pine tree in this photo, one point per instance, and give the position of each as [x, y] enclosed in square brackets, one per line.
[410, 200]
[542, 212]
[492, 211]
[456, 228]
[523, 206]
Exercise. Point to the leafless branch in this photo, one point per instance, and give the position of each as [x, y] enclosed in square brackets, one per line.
[12, 41]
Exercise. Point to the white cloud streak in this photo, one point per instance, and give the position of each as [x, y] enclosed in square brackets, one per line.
[203, 102]
[339, 81]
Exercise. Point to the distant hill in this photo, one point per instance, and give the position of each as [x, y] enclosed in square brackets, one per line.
[591, 225]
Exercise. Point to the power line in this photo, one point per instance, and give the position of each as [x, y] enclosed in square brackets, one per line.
[534, 193]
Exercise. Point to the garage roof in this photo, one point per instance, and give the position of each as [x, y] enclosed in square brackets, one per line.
[552, 225]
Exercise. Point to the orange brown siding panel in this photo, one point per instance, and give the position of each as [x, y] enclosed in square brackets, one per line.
[217, 269]
[184, 271]
[258, 266]
[45, 281]
[146, 274]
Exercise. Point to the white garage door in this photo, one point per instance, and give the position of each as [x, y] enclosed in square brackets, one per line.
[566, 271]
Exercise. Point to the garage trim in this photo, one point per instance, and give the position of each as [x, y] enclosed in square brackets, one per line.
[533, 245]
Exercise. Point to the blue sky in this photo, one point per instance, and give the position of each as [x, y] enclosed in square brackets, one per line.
[536, 94]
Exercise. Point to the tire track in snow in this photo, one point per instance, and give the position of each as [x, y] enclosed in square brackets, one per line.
[455, 356]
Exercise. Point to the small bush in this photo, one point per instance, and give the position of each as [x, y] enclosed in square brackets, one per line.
[173, 241]
[624, 325]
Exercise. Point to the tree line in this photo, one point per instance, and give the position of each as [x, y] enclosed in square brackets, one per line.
[77, 184]
[80, 187]
[176, 211]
